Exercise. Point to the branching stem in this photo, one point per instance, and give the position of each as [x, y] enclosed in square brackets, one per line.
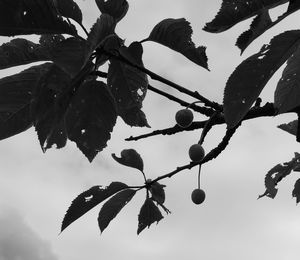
[203, 110]
[157, 77]
[267, 110]
[210, 156]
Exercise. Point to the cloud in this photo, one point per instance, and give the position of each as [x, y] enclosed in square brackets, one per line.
[19, 242]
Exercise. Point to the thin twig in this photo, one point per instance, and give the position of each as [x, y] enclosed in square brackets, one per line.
[208, 126]
[210, 156]
[169, 131]
[267, 110]
[203, 110]
[155, 76]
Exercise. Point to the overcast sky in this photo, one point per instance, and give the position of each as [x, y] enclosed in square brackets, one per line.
[36, 188]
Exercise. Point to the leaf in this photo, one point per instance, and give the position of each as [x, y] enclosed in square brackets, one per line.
[115, 8]
[20, 52]
[68, 8]
[261, 23]
[70, 55]
[47, 108]
[15, 98]
[91, 117]
[277, 173]
[129, 85]
[158, 192]
[233, 12]
[149, 214]
[88, 200]
[113, 206]
[135, 117]
[49, 41]
[32, 17]
[130, 158]
[296, 191]
[104, 26]
[251, 76]
[287, 93]
[291, 127]
[177, 35]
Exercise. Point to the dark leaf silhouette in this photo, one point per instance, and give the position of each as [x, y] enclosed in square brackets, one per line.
[261, 23]
[47, 108]
[129, 85]
[287, 93]
[158, 192]
[113, 206]
[91, 117]
[15, 98]
[251, 76]
[291, 127]
[70, 55]
[296, 191]
[68, 8]
[19, 52]
[177, 35]
[233, 12]
[149, 214]
[277, 173]
[32, 17]
[104, 26]
[115, 8]
[88, 200]
[135, 117]
[49, 41]
[131, 158]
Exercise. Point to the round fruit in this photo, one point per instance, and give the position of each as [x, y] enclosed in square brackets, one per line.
[184, 117]
[196, 152]
[198, 196]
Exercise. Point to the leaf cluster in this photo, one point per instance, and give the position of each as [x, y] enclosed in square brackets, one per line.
[70, 96]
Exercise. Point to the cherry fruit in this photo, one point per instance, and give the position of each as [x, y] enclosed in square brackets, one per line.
[184, 117]
[198, 196]
[196, 152]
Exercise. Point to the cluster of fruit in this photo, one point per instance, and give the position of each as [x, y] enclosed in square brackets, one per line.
[184, 118]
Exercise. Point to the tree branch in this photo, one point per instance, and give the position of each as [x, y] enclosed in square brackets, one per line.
[203, 110]
[210, 156]
[255, 112]
[155, 76]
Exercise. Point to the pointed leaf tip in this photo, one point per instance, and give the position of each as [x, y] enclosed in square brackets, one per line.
[149, 214]
[88, 200]
[232, 12]
[176, 34]
[296, 191]
[130, 158]
[290, 127]
[113, 207]
[91, 117]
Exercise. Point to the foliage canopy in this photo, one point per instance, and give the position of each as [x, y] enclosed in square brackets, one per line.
[64, 98]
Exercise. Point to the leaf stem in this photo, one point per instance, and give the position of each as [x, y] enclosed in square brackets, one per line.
[199, 176]
[208, 126]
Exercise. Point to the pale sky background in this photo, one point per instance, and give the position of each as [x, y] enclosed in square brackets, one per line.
[36, 188]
